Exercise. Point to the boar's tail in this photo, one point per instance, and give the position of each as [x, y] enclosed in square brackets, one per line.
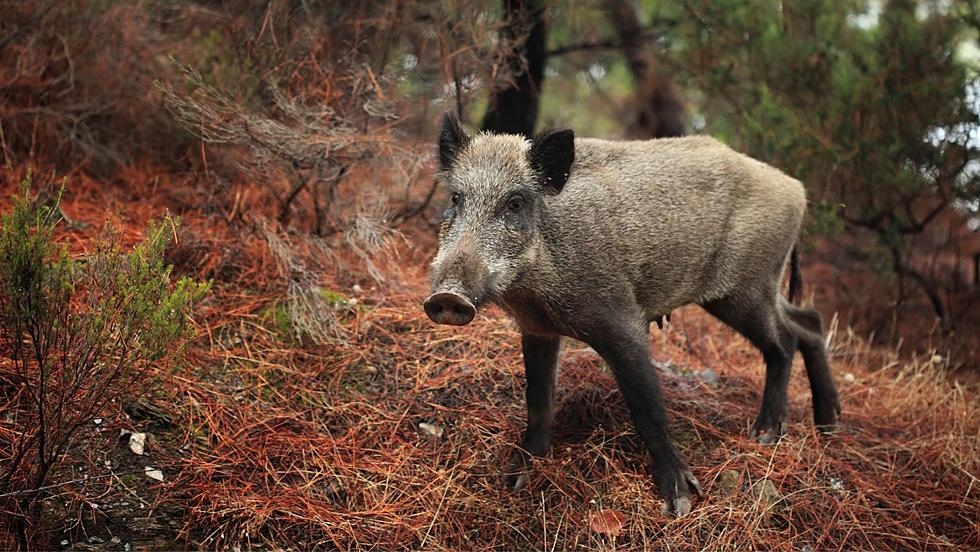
[795, 278]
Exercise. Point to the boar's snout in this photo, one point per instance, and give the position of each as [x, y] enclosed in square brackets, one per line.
[449, 308]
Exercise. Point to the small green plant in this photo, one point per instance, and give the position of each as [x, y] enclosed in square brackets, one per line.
[79, 333]
[309, 314]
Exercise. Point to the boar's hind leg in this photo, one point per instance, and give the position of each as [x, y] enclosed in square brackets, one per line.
[809, 329]
[628, 355]
[540, 365]
[756, 316]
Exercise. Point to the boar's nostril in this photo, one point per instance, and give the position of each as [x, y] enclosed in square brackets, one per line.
[449, 308]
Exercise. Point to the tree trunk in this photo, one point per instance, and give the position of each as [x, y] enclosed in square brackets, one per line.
[513, 107]
[659, 108]
[946, 324]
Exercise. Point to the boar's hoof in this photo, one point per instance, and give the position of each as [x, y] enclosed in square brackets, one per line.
[449, 308]
[515, 481]
[515, 477]
[825, 414]
[681, 505]
[768, 435]
[767, 438]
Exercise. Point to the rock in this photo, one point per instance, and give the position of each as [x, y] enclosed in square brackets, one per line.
[137, 442]
[667, 368]
[836, 484]
[431, 430]
[763, 492]
[708, 375]
[729, 482]
[153, 473]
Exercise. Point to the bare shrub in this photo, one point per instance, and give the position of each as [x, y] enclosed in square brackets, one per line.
[369, 236]
[75, 85]
[311, 312]
[333, 86]
[312, 146]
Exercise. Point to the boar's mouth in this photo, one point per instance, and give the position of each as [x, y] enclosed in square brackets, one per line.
[449, 307]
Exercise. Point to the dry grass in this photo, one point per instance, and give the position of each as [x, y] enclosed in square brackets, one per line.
[325, 448]
[318, 445]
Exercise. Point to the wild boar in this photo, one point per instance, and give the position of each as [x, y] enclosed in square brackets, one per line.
[593, 239]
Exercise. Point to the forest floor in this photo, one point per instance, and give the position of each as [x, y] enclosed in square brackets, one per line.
[392, 434]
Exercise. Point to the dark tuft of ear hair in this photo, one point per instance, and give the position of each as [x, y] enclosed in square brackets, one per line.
[452, 140]
[551, 156]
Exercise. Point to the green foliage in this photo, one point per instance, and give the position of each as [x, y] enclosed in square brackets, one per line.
[823, 219]
[277, 317]
[80, 332]
[334, 299]
[222, 65]
[587, 89]
[847, 108]
[35, 275]
[865, 102]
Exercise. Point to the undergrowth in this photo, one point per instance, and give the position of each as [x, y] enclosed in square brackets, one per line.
[78, 332]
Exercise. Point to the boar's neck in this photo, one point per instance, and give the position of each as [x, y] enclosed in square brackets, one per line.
[533, 298]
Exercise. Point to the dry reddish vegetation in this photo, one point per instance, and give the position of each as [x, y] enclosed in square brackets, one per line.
[269, 442]
[894, 315]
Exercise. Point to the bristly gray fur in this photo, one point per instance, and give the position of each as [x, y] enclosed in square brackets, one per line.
[651, 224]
[594, 239]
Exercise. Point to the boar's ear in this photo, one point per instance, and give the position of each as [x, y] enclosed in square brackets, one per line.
[452, 140]
[551, 156]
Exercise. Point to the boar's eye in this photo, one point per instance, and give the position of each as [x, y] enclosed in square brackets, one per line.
[515, 203]
[456, 198]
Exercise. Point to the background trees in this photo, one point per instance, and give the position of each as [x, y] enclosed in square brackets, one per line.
[513, 105]
[876, 115]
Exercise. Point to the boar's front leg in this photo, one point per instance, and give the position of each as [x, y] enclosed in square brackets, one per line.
[540, 365]
[629, 356]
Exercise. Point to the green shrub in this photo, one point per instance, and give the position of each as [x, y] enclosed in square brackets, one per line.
[79, 333]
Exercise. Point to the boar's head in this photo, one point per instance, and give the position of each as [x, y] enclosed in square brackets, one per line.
[491, 231]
